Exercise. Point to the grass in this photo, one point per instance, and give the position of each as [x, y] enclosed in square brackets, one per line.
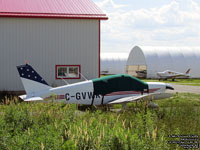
[59, 126]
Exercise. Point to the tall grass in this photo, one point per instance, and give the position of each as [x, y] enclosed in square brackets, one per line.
[58, 126]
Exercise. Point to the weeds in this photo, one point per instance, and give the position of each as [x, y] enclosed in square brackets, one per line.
[58, 126]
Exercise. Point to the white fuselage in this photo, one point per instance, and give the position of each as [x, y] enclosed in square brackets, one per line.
[171, 74]
[82, 93]
[113, 88]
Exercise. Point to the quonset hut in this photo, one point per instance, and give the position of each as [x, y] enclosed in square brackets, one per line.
[113, 63]
[147, 61]
[59, 38]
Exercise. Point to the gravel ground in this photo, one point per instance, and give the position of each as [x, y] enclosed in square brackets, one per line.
[185, 89]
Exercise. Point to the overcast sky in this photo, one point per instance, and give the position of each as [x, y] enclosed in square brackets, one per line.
[149, 23]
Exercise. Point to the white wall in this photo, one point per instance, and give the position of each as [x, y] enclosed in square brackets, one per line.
[45, 43]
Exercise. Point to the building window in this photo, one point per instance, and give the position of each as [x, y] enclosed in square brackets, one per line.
[68, 71]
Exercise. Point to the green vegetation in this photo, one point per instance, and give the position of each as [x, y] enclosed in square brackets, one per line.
[193, 82]
[58, 126]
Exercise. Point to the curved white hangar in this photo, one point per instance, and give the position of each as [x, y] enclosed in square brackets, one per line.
[147, 61]
[113, 63]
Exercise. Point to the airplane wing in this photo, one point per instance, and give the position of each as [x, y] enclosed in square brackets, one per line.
[178, 75]
[154, 96]
[175, 75]
[127, 99]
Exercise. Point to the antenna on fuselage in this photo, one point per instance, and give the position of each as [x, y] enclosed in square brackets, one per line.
[83, 77]
[64, 81]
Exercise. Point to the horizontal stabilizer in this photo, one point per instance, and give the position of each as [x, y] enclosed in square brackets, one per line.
[31, 98]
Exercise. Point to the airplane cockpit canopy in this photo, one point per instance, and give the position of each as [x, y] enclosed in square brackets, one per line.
[116, 83]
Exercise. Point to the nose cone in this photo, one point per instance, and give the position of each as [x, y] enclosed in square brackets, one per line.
[168, 86]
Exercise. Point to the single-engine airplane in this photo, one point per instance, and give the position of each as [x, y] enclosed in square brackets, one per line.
[141, 74]
[114, 89]
[169, 74]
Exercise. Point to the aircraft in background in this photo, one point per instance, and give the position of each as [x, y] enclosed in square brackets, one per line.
[141, 74]
[169, 74]
[114, 89]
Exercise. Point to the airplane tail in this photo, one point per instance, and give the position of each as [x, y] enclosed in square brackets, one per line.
[187, 72]
[31, 80]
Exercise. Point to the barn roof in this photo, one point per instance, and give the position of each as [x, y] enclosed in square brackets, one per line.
[75, 9]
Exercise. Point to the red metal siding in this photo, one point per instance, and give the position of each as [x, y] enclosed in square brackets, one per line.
[99, 49]
[51, 8]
